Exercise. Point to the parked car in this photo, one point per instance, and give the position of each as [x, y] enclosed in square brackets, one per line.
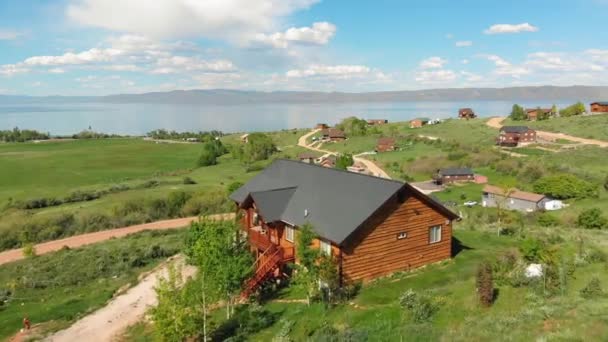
[470, 203]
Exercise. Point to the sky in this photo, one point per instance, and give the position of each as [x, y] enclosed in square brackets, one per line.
[99, 47]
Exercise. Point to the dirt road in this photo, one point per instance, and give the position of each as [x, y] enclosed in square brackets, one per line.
[551, 136]
[126, 309]
[85, 239]
[370, 165]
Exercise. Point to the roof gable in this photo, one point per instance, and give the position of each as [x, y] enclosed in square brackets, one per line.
[514, 129]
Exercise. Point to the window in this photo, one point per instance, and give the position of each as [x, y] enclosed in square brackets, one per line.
[435, 234]
[325, 247]
[401, 235]
[289, 232]
[256, 219]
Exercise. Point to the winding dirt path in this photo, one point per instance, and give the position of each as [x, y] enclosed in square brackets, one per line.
[496, 122]
[370, 165]
[121, 312]
[90, 238]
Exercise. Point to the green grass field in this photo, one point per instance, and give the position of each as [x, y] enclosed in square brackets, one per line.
[60, 287]
[592, 127]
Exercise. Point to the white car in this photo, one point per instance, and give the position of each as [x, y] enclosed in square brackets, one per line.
[470, 203]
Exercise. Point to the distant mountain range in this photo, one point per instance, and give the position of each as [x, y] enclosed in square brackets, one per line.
[227, 97]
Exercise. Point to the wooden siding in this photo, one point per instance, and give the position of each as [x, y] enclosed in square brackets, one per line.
[376, 251]
[599, 108]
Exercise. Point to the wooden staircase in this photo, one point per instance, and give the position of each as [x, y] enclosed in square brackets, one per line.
[265, 267]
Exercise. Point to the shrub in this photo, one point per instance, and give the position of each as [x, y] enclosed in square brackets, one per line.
[343, 161]
[150, 184]
[485, 284]
[518, 113]
[547, 220]
[531, 249]
[29, 250]
[592, 219]
[421, 306]
[575, 109]
[188, 181]
[232, 187]
[593, 289]
[207, 158]
[81, 196]
[565, 186]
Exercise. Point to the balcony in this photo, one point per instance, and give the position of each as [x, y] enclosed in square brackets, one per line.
[264, 240]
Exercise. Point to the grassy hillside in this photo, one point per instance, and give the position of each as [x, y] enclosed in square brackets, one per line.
[592, 127]
[61, 287]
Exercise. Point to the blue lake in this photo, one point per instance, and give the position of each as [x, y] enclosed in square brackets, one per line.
[137, 119]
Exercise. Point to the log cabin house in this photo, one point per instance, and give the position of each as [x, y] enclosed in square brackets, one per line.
[371, 226]
[307, 157]
[599, 107]
[322, 126]
[512, 136]
[333, 134]
[533, 113]
[328, 161]
[419, 122]
[385, 144]
[377, 122]
[454, 175]
[466, 113]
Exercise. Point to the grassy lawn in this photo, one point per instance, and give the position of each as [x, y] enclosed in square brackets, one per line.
[60, 287]
[592, 127]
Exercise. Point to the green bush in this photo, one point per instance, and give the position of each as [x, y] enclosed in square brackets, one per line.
[565, 186]
[29, 250]
[234, 186]
[593, 289]
[548, 220]
[518, 113]
[207, 158]
[188, 181]
[592, 219]
[575, 109]
[532, 249]
[420, 306]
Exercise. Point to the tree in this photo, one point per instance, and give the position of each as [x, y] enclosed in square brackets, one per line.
[29, 250]
[592, 219]
[259, 146]
[541, 114]
[564, 186]
[328, 276]
[343, 161]
[518, 113]
[353, 126]
[575, 109]
[176, 316]
[207, 157]
[307, 275]
[485, 284]
[223, 258]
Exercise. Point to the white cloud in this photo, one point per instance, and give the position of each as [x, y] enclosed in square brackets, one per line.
[319, 34]
[463, 43]
[12, 69]
[7, 34]
[471, 77]
[122, 67]
[505, 68]
[56, 71]
[433, 63]
[177, 64]
[435, 76]
[510, 28]
[333, 71]
[465, 61]
[235, 20]
[94, 55]
[449, 36]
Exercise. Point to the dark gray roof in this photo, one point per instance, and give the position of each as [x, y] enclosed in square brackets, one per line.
[455, 171]
[514, 129]
[334, 202]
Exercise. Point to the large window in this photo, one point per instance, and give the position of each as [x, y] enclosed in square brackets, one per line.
[325, 247]
[435, 234]
[289, 234]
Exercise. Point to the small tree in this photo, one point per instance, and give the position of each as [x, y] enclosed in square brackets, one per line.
[518, 113]
[29, 250]
[593, 289]
[592, 219]
[329, 277]
[307, 270]
[485, 284]
[207, 157]
[343, 161]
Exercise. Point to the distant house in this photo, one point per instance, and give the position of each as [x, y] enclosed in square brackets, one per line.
[245, 138]
[356, 168]
[385, 145]
[419, 122]
[322, 126]
[377, 122]
[329, 161]
[515, 135]
[333, 134]
[372, 226]
[533, 113]
[307, 157]
[466, 113]
[494, 196]
[454, 174]
[599, 107]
